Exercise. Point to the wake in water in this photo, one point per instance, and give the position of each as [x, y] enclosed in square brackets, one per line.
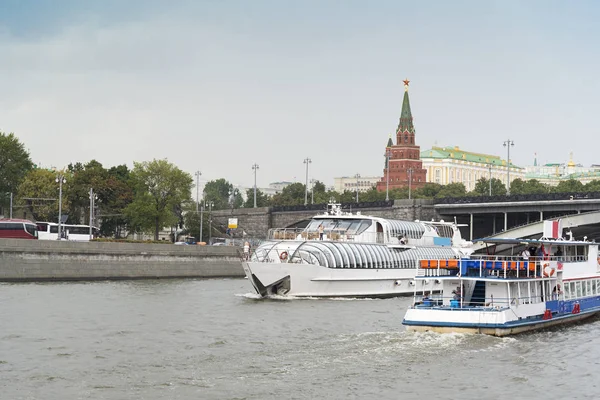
[256, 296]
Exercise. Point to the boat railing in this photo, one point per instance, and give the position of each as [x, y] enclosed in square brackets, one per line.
[328, 234]
[493, 267]
[454, 303]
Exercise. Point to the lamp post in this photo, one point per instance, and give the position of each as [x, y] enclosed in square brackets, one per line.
[210, 205]
[60, 179]
[232, 193]
[201, 218]
[306, 161]
[93, 199]
[410, 171]
[255, 168]
[490, 167]
[198, 174]
[508, 144]
[387, 174]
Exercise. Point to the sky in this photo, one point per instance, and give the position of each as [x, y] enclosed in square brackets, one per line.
[218, 85]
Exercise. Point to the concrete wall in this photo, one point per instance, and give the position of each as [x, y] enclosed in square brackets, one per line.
[30, 260]
[256, 222]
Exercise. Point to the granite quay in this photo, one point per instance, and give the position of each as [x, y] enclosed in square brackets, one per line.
[48, 260]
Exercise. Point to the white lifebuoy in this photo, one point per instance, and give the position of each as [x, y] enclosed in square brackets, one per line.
[283, 256]
[548, 270]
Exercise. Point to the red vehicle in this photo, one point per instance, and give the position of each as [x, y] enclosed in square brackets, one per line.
[17, 229]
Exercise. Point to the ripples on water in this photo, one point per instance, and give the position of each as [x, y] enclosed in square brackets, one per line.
[212, 339]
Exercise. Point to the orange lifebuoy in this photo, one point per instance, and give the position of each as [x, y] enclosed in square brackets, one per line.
[283, 256]
[548, 270]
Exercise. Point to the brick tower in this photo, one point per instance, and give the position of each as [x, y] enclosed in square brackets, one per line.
[405, 156]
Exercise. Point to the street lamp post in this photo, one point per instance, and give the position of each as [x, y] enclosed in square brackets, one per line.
[60, 179]
[508, 144]
[306, 161]
[357, 176]
[210, 205]
[93, 199]
[11, 205]
[387, 174]
[410, 171]
[255, 168]
[490, 166]
[198, 174]
[201, 218]
[232, 193]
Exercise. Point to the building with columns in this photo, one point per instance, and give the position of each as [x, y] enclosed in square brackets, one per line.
[402, 160]
[446, 165]
[554, 173]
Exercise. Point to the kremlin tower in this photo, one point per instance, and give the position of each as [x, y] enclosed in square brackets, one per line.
[403, 159]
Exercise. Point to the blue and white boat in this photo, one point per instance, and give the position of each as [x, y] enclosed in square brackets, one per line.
[507, 292]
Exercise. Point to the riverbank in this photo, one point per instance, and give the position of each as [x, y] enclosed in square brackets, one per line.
[49, 260]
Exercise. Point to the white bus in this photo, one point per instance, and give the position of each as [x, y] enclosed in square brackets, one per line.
[77, 233]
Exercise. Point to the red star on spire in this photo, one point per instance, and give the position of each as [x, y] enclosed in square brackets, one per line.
[406, 82]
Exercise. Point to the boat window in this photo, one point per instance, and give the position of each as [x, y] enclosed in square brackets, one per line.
[353, 227]
[595, 286]
[364, 225]
[342, 225]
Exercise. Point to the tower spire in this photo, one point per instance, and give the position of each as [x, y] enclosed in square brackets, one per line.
[406, 119]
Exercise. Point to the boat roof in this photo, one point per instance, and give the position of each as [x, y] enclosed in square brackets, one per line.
[517, 241]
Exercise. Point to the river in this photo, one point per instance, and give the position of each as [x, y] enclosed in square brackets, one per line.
[213, 339]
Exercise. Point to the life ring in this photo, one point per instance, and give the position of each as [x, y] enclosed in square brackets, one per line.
[283, 256]
[548, 270]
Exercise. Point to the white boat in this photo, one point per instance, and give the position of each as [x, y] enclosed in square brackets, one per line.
[501, 294]
[342, 254]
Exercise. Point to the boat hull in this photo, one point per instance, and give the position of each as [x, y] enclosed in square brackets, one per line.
[499, 330]
[303, 280]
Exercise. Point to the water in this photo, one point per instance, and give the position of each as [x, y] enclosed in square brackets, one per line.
[212, 339]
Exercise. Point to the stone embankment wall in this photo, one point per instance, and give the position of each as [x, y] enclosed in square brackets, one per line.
[256, 222]
[37, 260]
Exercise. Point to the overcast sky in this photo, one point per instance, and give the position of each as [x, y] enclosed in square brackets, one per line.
[218, 85]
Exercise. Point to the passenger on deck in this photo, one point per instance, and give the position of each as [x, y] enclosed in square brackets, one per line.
[558, 254]
[456, 293]
[402, 239]
[525, 254]
[320, 231]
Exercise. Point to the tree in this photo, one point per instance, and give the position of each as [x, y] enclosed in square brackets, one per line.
[262, 200]
[482, 187]
[115, 196]
[592, 186]
[91, 175]
[39, 192]
[218, 191]
[452, 190]
[14, 165]
[429, 190]
[570, 186]
[160, 188]
[291, 195]
[531, 186]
